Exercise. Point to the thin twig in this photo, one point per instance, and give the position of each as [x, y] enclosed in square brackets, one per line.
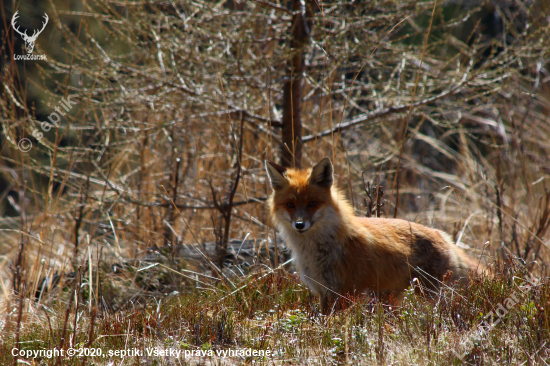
[368, 117]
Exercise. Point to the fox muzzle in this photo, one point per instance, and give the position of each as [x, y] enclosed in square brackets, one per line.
[301, 226]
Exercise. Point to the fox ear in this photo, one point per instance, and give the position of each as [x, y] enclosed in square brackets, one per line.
[275, 173]
[321, 174]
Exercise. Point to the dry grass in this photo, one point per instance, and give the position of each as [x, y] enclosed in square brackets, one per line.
[161, 90]
[275, 312]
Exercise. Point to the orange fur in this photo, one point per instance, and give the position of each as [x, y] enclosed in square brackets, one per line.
[337, 252]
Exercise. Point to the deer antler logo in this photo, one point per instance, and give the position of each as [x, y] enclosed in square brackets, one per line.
[29, 40]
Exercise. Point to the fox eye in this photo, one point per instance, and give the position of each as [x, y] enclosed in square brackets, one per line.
[312, 204]
[290, 205]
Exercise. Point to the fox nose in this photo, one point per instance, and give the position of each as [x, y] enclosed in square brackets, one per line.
[300, 225]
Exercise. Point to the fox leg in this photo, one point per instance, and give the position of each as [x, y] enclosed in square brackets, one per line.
[397, 298]
[328, 302]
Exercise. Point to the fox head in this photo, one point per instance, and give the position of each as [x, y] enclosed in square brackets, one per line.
[301, 197]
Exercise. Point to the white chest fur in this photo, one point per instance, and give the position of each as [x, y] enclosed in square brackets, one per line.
[316, 254]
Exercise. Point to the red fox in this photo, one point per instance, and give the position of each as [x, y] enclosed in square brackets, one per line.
[338, 253]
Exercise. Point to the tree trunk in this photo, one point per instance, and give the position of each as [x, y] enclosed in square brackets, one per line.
[292, 89]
